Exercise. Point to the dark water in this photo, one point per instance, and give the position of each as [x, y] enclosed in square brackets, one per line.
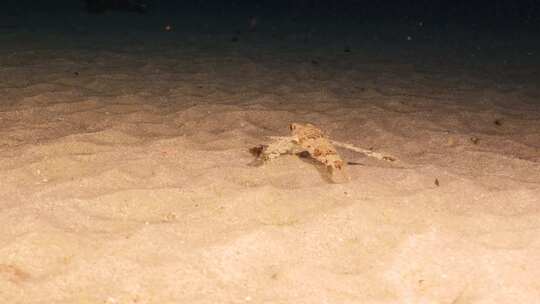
[500, 43]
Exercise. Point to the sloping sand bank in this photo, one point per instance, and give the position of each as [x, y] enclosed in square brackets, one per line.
[124, 177]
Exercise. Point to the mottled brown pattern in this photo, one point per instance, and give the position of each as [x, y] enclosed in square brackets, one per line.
[306, 138]
[13, 273]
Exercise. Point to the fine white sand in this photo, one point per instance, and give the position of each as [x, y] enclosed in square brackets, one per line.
[124, 171]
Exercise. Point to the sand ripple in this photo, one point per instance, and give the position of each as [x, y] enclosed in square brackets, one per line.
[124, 179]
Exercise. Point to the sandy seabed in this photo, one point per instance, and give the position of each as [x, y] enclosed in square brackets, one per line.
[124, 175]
